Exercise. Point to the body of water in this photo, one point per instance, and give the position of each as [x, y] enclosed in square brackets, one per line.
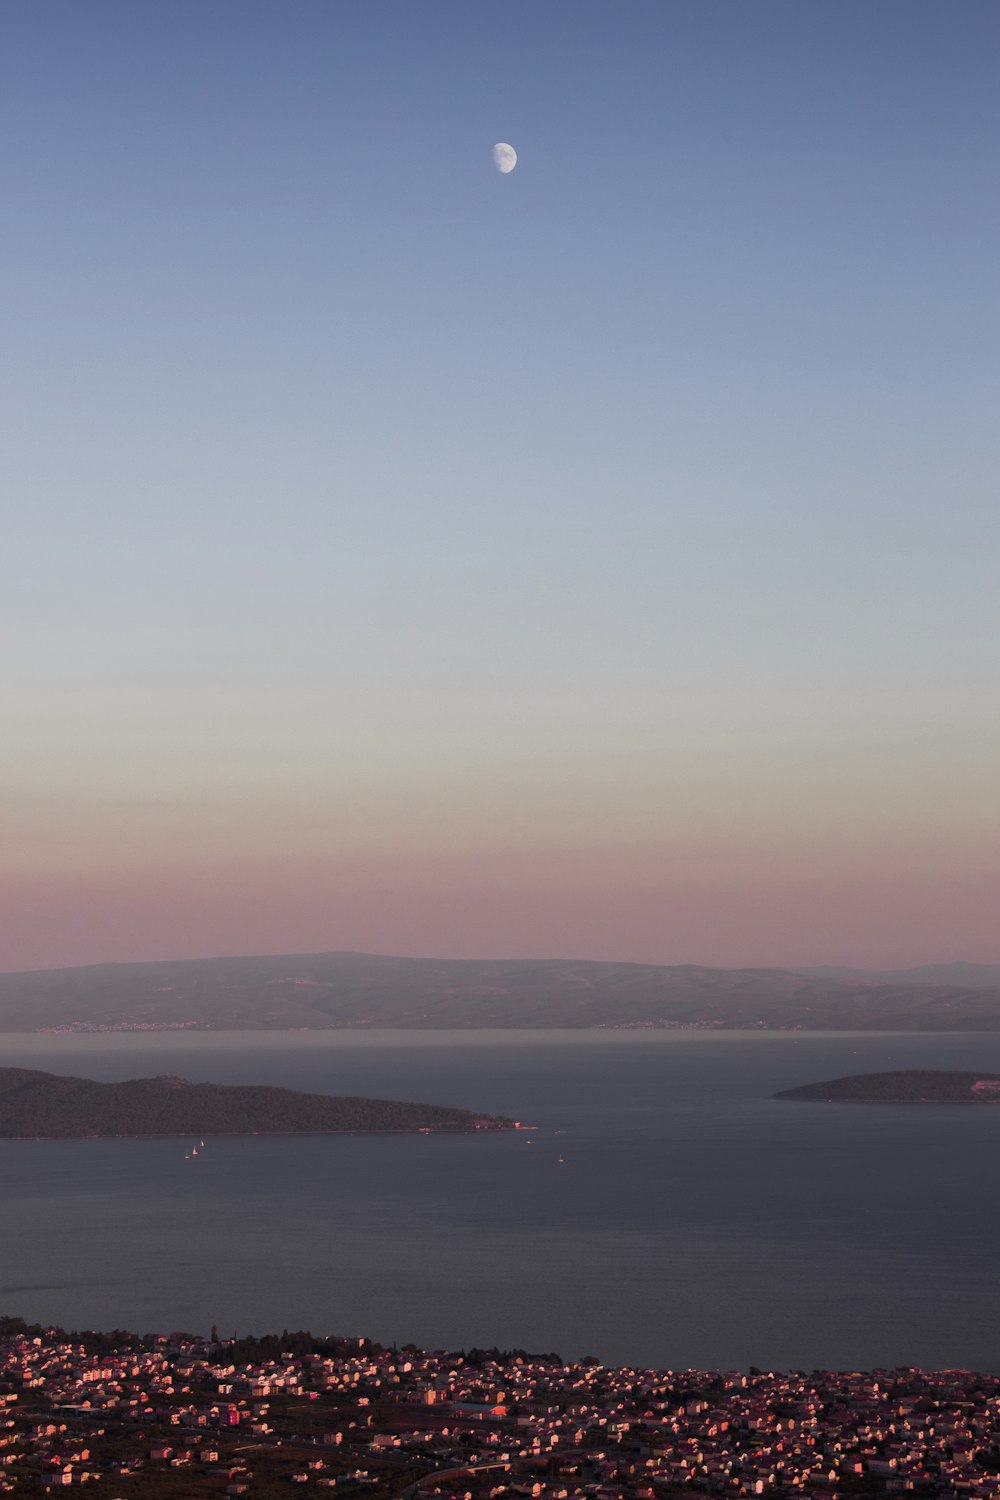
[693, 1220]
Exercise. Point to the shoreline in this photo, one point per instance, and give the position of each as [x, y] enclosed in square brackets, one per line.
[247, 1135]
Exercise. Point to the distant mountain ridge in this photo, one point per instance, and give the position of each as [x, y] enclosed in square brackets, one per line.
[962, 975]
[340, 990]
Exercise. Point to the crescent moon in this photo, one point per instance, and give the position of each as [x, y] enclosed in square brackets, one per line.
[504, 157]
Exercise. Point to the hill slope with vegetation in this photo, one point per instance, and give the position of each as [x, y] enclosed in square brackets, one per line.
[909, 1086]
[35, 1104]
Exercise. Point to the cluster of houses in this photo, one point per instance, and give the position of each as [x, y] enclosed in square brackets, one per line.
[179, 1416]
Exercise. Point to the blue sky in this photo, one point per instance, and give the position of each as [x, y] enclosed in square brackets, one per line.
[416, 513]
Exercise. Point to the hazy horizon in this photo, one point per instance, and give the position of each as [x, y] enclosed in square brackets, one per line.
[488, 958]
[404, 557]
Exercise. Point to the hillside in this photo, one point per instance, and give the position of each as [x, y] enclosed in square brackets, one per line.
[35, 1104]
[333, 990]
[910, 1086]
[960, 975]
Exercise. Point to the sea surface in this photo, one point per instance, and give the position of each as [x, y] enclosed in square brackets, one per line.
[693, 1220]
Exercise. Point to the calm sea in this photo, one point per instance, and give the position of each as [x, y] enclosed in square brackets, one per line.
[693, 1220]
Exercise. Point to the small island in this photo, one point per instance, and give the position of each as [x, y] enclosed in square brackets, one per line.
[910, 1086]
[36, 1105]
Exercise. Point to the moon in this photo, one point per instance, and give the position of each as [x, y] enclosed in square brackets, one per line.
[504, 157]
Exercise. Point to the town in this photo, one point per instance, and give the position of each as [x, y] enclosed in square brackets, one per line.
[182, 1416]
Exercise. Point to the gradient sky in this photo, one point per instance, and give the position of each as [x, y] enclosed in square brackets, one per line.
[599, 560]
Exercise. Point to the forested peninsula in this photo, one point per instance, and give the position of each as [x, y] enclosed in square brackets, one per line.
[36, 1105]
[910, 1086]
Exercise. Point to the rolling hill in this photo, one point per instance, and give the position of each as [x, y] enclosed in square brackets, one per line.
[35, 1104]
